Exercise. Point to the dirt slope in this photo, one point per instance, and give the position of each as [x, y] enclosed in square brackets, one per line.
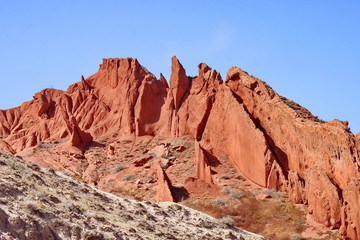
[43, 204]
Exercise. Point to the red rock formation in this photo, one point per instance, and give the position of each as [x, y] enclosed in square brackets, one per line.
[111, 150]
[315, 162]
[203, 169]
[6, 147]
[179, 82]
[231, 127]
[78, 138]
[163, 193]
[194, 113]
[141, 161]
[271, 140]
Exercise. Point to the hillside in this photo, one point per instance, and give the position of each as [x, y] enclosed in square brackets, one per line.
[41, 204]
[194, 139]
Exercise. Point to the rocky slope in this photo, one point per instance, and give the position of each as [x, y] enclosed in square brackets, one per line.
[269, 139]
[43, 204]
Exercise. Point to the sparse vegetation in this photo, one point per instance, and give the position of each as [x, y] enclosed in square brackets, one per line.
[61, 205]
[228, 221]
[296, 237]
[255, 215]
[129, 177]
[205, 224]
[218, 201]
[319, 120]
[118, 168]
[226, 177]
[291, 103]
[236, 194]
[233, 193]
[301, 112]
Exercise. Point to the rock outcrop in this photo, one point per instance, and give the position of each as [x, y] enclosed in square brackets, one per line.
[163, 193]
[269, 139]
[78, 138]
[179, 82]
[314, 162]
[203, 169]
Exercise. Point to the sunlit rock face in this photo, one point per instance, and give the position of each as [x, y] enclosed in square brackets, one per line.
[269, 139]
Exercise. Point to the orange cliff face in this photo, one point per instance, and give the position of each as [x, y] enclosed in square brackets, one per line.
[316, 163]
[269, 139]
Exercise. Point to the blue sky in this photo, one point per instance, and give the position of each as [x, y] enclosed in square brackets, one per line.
[308, 51]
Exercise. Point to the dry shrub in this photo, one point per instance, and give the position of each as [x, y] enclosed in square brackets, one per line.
[273, 219]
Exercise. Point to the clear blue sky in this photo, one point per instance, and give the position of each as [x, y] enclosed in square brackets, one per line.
[308, 51]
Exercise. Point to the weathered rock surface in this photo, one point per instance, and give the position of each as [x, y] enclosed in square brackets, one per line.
[43, 204]
[269, 139]
[163, 193]
[314, 162]
[78, 138]
[203, 169]
[179, 82]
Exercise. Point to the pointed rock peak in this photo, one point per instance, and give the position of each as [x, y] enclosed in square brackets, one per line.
[135, 64]
[44, 101]
[218, 77]
[79, 138]
[203, 68]
[140, 71]
[203, 169]
[235, 73]
[162, 78]
[163, 193]
[209, 74]
[179, 82]
[85, 84]
[163, 81]
[178, 75]
[149, 77]
[175, 61]
[237, 78]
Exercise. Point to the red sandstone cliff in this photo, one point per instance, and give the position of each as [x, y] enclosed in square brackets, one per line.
[271, 140]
